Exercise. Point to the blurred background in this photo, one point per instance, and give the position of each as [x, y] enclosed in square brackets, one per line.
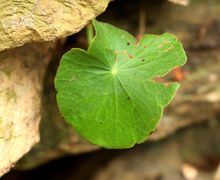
[186, 143]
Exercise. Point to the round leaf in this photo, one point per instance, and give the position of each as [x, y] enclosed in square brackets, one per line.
[108, 94]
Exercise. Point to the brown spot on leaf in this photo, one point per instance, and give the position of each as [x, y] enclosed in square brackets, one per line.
[166, 84]
[166, 42]
[136, 43]
[130, 56]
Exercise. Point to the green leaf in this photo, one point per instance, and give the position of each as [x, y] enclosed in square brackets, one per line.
[108, 94]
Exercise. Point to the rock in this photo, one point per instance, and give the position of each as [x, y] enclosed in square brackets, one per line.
[197, 146]
[217, 174]
[21, 73]
[180, 2]
[43, 20]
[189, 172]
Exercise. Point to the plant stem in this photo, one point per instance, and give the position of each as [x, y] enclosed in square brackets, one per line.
[90, 33]
[142, 20]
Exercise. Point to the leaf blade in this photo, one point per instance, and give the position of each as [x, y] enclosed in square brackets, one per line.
[108, 94]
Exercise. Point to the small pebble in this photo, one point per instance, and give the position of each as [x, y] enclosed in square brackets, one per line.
[189, 172]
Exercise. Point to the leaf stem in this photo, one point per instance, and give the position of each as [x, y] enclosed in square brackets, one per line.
[89, 33]
[142, 20]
